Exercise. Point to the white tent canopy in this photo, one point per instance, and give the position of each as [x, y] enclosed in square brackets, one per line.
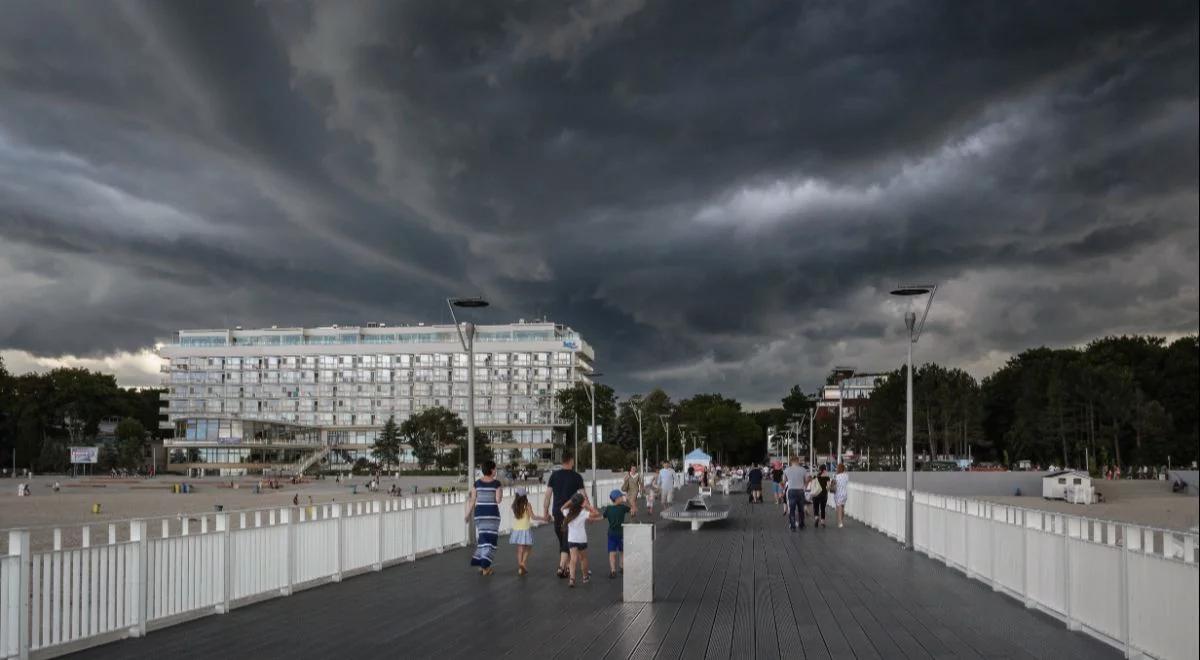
[697, 459]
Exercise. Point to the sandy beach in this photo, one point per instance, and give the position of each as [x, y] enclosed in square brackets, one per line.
[1142, 502]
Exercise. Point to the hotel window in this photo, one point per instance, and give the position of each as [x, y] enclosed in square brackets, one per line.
[328, 361]
[441, 360]
[366, 360]
[272, 363]
[404, 360]
[460, 375]
[364, 375]
[441, 389]
[309, 361]
[482, 373]
[541, 358]
[425, 360]
[562, 357]
[442, 375]
[460, 359]
[383, 376]
[345, 360]
[384, 361]
[483, 359]
[521, 359]
[500, 359]
[561, 373]
[290, 362]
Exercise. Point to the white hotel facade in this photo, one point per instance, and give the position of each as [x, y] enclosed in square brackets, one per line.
[241, 401]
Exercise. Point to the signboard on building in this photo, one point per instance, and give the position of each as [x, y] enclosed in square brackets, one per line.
[571, 343]
[85, 455]
[827, 404]
[595, 433]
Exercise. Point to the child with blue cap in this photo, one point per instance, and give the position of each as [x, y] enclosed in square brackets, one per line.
[615, 515]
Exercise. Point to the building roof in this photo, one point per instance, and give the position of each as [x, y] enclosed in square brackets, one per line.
[1062, 472]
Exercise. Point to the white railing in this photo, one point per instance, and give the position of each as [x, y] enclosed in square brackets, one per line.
[1131, 586]
[62, 600]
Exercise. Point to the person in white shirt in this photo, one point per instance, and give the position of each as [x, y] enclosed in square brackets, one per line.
[666, 483]
[796, 479]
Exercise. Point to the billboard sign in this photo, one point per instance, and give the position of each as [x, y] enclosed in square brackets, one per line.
[85, 455]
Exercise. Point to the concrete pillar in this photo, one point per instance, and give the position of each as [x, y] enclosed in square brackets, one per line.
[639, 563]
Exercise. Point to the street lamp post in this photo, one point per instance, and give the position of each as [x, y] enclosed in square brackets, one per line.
[468, 344]
[841, 404]
[592, 435]
[914, 333]
[637, 412]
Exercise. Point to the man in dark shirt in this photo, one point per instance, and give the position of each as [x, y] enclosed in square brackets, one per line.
[563, 483]
[755, 479]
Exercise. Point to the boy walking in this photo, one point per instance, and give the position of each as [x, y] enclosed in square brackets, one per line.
[615, 515]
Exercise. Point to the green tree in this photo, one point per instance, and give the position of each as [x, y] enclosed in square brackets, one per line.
[386, 450]
[576, 403]
[131, 443]
[435, 435]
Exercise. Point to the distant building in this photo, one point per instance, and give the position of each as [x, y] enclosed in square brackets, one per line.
[853, 390]
[243, 401]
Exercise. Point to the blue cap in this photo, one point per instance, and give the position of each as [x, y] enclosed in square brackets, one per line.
[615, 495]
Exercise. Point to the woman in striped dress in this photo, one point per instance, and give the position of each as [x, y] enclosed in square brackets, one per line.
[485, 504]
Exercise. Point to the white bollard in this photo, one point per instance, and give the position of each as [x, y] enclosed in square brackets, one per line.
[638, 580]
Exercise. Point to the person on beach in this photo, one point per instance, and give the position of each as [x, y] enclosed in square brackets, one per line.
[522, 529]
[563, 483]
[484, 503]
[841, 491]
[576, 515]
[651, 492]
[615, 515]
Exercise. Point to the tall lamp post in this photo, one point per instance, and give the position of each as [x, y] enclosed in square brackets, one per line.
[468, 344]
[636, 406]
[841, 405]
[914, 333]
[592, 435]
[666, 424]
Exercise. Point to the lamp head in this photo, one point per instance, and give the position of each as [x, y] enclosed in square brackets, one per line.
[912, 289]
[469, 302]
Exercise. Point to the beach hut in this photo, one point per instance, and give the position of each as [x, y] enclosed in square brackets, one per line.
[1059, 485]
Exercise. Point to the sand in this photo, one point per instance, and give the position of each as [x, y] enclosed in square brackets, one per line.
[123, 500]
[1142, 502]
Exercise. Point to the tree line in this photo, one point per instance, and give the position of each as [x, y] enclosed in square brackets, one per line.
[1119, 401]
[42, 414]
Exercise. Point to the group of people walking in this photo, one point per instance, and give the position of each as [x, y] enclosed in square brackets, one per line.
[796, 490]
[567, 505]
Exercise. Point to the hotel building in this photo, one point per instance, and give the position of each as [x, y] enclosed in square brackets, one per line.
[241, 401]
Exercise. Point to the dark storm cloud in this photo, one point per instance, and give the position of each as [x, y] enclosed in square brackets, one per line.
[716, 194]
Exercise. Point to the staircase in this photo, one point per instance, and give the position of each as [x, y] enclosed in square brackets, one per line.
[311, 460]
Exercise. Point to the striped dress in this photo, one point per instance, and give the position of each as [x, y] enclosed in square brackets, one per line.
[487, 522]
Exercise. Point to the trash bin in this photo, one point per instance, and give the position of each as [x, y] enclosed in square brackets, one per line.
[638, 580]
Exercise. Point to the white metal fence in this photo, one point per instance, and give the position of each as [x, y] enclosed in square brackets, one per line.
[1132, 586]
[62, 600]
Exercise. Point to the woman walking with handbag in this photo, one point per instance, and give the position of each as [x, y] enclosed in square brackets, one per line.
[819, 489]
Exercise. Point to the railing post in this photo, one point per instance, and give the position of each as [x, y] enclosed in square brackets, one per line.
[1025, 559]
[222, 522]
[140, 589]
[289, 550]
[1124, 597]
[441, 516]
[377, 506]
[18, 545]
[412, 531]
[337, 543]
[1072, 624]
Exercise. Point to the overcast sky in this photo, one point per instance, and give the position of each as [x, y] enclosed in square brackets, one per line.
[717, 195]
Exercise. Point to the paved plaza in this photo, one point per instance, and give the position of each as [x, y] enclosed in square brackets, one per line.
[738, 589]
